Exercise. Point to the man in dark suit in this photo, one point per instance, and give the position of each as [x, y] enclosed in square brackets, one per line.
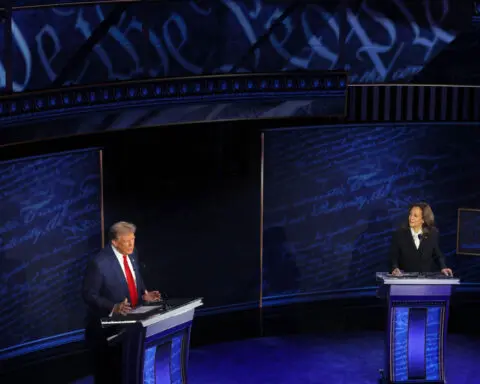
[415, 248]
[112, 285]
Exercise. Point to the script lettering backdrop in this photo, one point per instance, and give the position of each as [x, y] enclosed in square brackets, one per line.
[334, 195]
[50, 227]
[382, 41]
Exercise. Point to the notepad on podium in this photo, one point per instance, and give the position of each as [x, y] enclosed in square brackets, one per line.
[416, 278]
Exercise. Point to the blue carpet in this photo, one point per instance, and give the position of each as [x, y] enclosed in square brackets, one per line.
[340, 358]
[336, 359]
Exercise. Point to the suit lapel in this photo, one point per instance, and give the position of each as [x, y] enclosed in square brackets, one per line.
[119, 273]
[423, 243]
[410, 240]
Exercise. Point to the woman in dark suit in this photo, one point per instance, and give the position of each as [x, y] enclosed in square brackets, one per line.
[415, 247]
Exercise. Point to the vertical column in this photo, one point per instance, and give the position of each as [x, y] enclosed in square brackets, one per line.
[387, 106]
[6, 19]
[399, 104]
[455, 106]
[376, 103]
[409, 101]
[421, 103]
[417, 324]
[416, 342]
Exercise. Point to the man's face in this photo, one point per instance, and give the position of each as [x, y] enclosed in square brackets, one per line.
[415, 219]
[125, 243]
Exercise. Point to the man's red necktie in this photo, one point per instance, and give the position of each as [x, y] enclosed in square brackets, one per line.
[132, 288]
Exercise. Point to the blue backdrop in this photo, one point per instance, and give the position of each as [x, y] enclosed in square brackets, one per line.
[334, 195]
[380, 41]
[468, 232]
[51, 225]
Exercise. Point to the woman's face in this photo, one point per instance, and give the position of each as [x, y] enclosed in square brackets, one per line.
[415, 219]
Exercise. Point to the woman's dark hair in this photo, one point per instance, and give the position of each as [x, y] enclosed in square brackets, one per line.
[427, 215]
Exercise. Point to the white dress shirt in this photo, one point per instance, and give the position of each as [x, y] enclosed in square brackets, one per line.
[120, 260]
[416, 237]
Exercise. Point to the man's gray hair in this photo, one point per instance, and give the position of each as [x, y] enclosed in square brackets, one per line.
[121, 228]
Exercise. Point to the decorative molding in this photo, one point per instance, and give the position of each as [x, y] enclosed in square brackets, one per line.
[189, 89]
[402, 102]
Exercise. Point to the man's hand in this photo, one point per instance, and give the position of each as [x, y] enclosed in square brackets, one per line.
[396, 272]
[447, 272]
[151, 296]
[122, 308]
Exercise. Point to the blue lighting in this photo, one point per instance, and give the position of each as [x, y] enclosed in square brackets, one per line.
[276, 84]
[149, 365]
[118, 94]
[41, 344]
[26, 106]
[289, 84]
[158, 91]
[399, 357]
[105, 95]
[184, 88]
[79, 98]
[39, 103]
[176, 359]
[131, 92]
[329, 84]
[171, 89]
[316, 83]
[53, 101]
[224, 86]
[197, 87]
[249, 85]
[342, 84]
[210, 86]
[433, 342]
[302, 84]
[236, 85]
[144, 91]
[92, 96]
[66, 100]
[263, 84]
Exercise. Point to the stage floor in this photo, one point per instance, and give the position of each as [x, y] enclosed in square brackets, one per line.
[339, 358]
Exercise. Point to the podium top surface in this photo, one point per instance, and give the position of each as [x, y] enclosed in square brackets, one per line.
[165, 310]
[417, 279]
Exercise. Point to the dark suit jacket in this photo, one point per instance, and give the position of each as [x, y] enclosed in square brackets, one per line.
[105, 285]
[405, 255]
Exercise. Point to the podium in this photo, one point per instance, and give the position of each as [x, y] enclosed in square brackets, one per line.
[155, 341]
[416, 326]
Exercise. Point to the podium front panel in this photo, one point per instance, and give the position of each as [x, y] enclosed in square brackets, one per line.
[155, 349]
[417, 326]
[156, 367]
[417, 343]
[420, 290]
[166, 356]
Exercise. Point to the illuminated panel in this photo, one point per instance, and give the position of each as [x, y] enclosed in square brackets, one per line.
[50, 228]
[333, 196]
